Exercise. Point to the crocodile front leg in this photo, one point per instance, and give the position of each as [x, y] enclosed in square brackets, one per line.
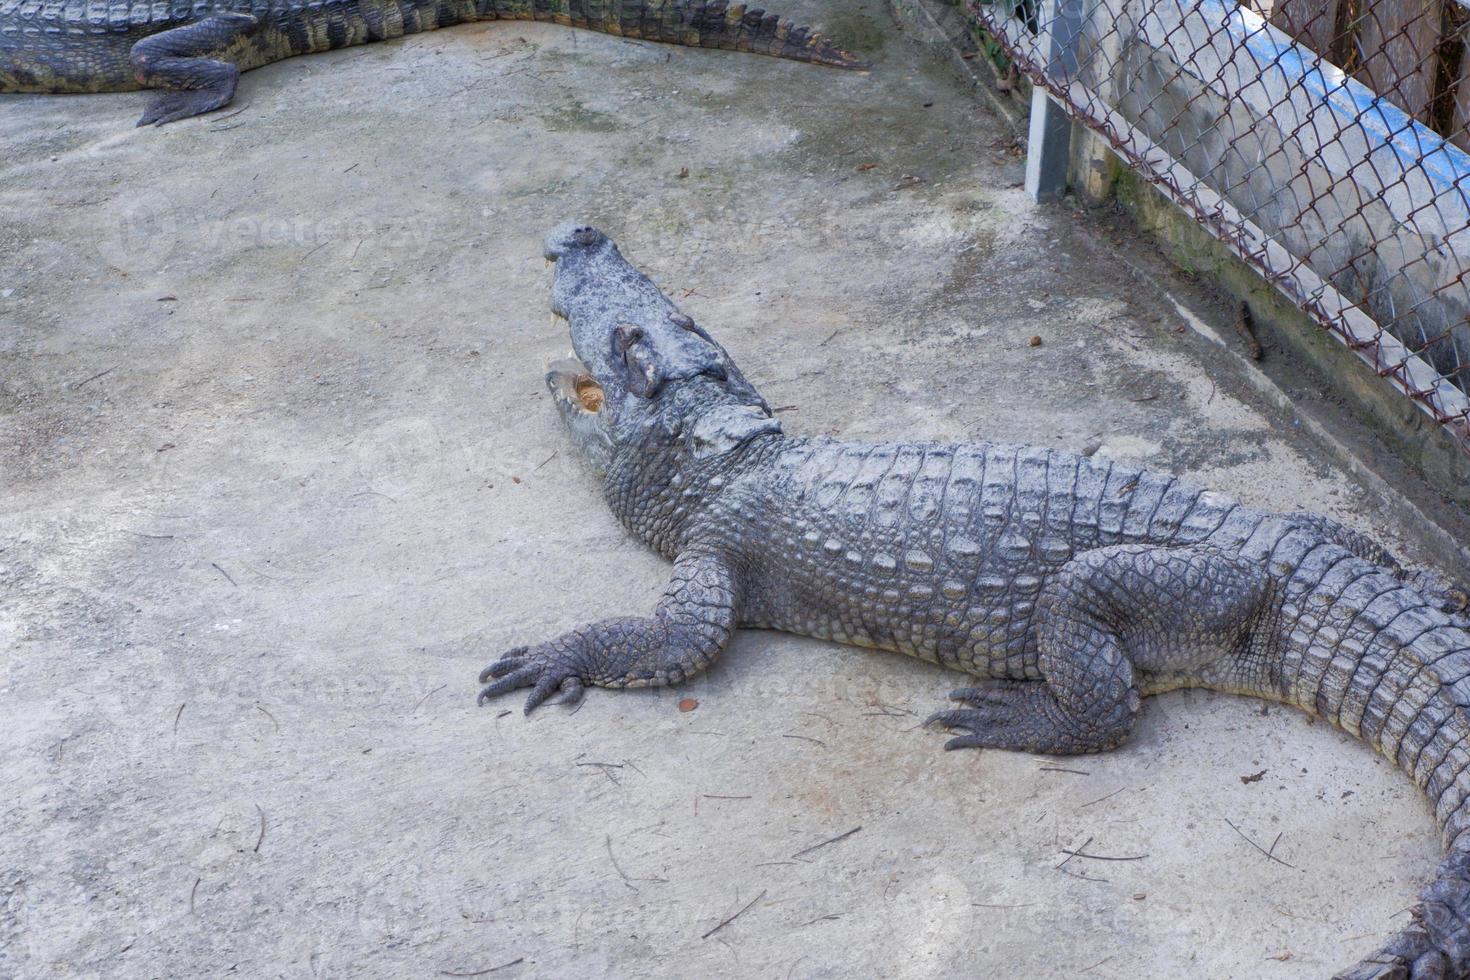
[1105, 614]
[692, 624]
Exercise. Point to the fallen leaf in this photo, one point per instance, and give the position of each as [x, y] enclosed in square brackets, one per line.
[1253, 777]
[863, 168]
[687, 704]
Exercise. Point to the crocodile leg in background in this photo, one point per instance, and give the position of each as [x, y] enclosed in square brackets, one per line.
[1450, 597]
[190, 64]
[196, 52]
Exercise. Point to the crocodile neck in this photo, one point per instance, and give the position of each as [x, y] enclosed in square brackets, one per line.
[662, 492]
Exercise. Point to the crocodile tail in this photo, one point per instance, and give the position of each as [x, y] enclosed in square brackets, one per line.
[695, 23]
[1385, 664]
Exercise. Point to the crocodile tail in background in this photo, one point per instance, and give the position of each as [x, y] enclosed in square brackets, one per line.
[694, 23]
[1384, 664]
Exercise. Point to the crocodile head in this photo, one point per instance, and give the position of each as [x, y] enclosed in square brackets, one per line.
[644, 375]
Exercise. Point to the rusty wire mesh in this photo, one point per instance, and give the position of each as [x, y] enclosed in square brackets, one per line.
[1323, 141]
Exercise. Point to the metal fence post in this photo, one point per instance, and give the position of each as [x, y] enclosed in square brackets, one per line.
[1049, 143]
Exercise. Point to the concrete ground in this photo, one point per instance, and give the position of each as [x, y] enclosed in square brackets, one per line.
[280, 476]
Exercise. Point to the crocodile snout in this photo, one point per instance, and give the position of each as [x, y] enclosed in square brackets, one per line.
[570, 236]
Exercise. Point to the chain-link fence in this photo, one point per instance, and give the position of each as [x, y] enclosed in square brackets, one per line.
[1322, 141]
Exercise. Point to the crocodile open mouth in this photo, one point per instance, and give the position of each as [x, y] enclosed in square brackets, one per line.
[571, 381]
[589, 393]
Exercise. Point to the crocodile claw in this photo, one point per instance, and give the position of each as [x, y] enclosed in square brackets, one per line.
[975, 721]
[1410, 955]
[173, 106]
[1025, 716]
[993, 710]
[538, 669]
[996, 692]
[509, 661]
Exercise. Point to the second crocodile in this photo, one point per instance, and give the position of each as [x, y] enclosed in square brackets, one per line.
[195, 51]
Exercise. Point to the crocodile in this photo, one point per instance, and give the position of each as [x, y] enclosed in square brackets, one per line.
[193, 51]
[1074, 586]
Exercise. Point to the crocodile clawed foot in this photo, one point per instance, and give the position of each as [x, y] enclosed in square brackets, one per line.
[524, 667]
[217, 91]
[995, 692]
[1410, 955]
[1026, 716]
[995, 718]
[1449, 597]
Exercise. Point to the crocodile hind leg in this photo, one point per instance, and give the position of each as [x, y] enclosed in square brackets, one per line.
[1105, 615]
[189, 64]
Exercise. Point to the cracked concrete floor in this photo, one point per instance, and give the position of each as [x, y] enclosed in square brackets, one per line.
[280, 476]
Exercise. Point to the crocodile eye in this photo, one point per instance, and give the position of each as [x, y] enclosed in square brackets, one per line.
[644, 374]
[625, 336]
